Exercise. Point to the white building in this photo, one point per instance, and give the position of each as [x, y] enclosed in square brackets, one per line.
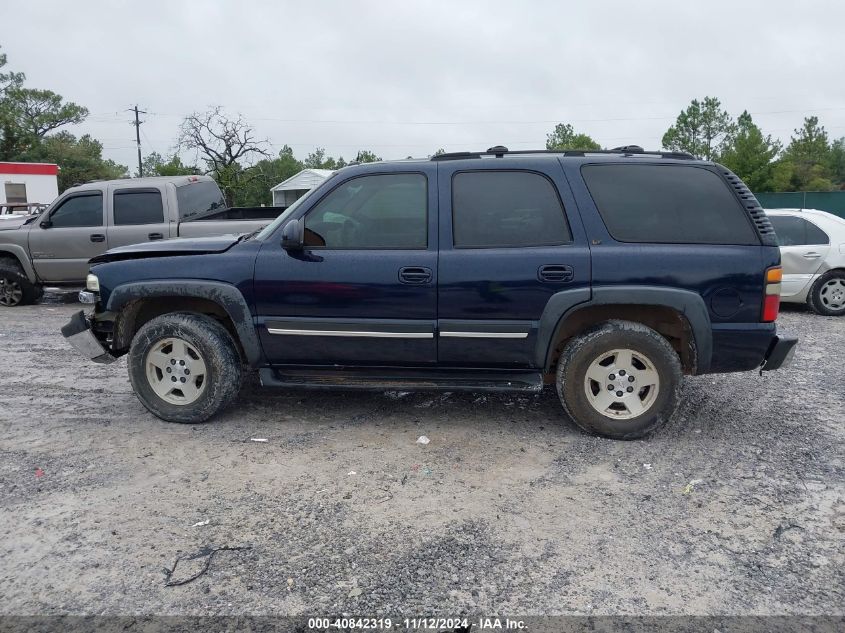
[28, 182]
[287, 192]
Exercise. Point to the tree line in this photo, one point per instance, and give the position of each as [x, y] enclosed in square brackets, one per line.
[223, 146]
[227, 148]
[29, 123]
[811, 161]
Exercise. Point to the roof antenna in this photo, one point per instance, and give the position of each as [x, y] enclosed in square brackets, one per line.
[497, 150]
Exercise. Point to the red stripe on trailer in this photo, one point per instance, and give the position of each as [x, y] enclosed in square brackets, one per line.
[29, 169]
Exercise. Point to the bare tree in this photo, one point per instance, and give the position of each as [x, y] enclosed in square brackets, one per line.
[228, 146]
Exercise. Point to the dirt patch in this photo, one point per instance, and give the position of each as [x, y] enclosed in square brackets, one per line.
[735, 508]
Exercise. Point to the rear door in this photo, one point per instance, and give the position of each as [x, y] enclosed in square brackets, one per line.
[363, 292]
[510, 238]
[803, 248]
[74, 232]
[137, 215]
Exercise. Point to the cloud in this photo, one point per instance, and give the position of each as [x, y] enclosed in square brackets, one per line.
[404, 78]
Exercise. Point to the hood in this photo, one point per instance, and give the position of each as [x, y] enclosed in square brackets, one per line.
[169, 248]
[13, 221]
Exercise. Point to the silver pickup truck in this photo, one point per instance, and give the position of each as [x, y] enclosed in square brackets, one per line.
[53, 248]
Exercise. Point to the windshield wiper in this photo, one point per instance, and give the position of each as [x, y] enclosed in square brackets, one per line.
[247, 236]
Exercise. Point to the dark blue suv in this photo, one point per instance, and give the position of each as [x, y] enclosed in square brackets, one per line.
[608, 274]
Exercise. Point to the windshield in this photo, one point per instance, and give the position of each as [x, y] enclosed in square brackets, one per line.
[267, 230]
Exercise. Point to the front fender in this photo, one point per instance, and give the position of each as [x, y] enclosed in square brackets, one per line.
[225, 295]
[19, 253]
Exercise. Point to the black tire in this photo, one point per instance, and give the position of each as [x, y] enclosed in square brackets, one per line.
[216, 350]
[597, 346]
[821, 294]
[15, 287]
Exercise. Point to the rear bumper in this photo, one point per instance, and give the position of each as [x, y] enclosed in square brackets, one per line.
[78, 333]
[780, 353]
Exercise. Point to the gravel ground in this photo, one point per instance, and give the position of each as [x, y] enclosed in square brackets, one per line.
[738, 507]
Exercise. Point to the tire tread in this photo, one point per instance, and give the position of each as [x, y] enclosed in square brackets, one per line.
[593, 422]
[220, 354]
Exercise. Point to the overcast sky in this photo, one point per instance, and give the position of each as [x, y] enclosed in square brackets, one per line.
[404, 78]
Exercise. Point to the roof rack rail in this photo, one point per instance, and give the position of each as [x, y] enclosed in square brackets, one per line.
[500, 150]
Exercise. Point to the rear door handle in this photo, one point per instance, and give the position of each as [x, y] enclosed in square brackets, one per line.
[811, 255]
[555, 272]
[155, 236]
[415, 275]
[98, 237]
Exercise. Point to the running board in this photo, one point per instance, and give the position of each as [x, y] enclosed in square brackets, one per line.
[402, 379]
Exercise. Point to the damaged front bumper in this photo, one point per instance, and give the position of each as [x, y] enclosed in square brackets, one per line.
[78, 333]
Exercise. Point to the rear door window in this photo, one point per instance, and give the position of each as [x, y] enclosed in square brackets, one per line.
[815, 235]
[667, 204]
[138, 206]
[794, 231]
[503, 209]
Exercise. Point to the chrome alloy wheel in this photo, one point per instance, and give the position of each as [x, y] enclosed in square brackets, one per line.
[11, 293]
[832, 294]
[176, 371]
[622, 384]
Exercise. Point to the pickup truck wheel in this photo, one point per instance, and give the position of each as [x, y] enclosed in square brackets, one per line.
[184, 367]
[827, 295]
[620, 380]
[15, 287]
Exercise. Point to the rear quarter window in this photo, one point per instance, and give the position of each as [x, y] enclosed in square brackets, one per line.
[674, 204]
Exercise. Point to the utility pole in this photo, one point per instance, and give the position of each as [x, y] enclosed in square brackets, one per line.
[138, 137]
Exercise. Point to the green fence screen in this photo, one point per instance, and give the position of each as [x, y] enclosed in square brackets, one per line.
[830, 201]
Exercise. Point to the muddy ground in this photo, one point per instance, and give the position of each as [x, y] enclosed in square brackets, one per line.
[738, 507]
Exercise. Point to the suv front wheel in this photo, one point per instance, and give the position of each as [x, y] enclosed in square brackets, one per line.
[620, 380]
[184, 367]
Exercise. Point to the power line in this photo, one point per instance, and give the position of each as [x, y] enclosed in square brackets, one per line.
[507, 122]
[148, 141]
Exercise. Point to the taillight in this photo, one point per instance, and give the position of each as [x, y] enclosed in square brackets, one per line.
[771, 300]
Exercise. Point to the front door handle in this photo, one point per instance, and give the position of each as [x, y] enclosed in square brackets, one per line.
[155, 236]
[811, 255]
[415, 275]
[98, 237]
[555, 272]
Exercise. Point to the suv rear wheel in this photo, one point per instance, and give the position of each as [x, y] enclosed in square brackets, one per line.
[184, 367]
[827, 295]
[620, 380]
[15, 287]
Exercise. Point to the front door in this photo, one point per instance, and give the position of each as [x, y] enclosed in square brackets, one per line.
[364, 290]
[73, 233]
[510, 238]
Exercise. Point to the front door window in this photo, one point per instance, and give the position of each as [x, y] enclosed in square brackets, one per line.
[372, 212]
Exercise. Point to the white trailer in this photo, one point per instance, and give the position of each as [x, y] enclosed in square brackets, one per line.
[28, 183]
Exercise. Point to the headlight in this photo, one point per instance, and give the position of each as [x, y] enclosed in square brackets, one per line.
[92, 283]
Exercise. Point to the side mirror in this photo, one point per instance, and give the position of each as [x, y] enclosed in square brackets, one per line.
[293, 235]
[46, 224]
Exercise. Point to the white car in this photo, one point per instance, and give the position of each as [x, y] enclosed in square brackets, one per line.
[812, 252]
